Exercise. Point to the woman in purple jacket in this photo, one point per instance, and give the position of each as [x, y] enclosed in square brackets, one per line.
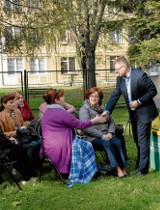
[58, 129]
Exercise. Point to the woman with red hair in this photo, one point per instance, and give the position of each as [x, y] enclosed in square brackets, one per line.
[24, 108]
[58, 132]
[104, 133]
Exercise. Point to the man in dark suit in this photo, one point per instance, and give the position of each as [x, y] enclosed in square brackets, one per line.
[138, 91]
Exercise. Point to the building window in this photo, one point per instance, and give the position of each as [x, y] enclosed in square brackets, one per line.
[14, 64]
[12, 5]
[12, 31]
[117, 37]
[38, 65]
[68, 65]
[11, 36]
[34, 4]
[112, 60]
[64, 37]
[112, 7]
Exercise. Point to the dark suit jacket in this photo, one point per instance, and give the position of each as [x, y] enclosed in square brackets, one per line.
[142, 88]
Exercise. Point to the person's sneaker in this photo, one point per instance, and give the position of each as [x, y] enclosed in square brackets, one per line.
[29, 181]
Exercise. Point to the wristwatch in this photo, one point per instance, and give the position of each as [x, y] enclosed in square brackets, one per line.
[139, 103]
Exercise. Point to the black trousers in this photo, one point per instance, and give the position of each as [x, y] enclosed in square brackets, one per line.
[23, 163]
[141, 135]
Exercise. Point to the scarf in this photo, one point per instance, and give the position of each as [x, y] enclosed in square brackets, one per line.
[53, 106]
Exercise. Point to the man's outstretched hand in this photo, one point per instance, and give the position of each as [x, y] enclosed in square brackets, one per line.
[106, 115]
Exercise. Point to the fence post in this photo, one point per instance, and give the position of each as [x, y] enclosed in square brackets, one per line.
[25, 86]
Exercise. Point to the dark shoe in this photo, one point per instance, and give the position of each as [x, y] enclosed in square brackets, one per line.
[139, 173]
[122, 177]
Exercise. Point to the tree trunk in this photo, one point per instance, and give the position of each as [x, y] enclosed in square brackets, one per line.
[90, 64]
[88, 67]
[84, 70]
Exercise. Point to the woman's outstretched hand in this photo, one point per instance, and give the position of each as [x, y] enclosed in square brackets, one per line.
[98, 119]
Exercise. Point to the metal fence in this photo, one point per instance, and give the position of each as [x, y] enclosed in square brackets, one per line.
[34, 84]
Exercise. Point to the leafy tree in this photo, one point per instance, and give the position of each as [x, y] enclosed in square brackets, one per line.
[145, 33]
[41, 22]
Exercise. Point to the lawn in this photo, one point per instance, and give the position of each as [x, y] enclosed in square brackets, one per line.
[104, 193]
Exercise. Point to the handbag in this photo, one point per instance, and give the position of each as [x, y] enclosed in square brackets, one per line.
[119, 129]
[28, 134]
[106, 170]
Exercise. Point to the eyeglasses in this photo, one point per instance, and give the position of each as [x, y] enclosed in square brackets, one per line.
[117, 69]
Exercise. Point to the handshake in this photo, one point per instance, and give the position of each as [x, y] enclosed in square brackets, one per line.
[104, 117]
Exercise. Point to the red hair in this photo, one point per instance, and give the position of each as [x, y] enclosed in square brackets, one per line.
[93, 90]
[52, 94]
[6, 98]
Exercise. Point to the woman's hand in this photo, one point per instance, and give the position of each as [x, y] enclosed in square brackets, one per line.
[98, 119]
[107, 136]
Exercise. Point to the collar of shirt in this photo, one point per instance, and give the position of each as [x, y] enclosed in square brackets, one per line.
[127, 78]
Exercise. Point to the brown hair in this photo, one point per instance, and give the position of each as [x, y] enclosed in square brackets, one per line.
[52, 94]
[7, 97]
[92, 90]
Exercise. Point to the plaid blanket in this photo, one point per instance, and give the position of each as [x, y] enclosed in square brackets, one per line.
[83, 163]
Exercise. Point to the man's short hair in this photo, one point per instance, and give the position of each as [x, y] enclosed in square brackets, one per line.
[122, 59]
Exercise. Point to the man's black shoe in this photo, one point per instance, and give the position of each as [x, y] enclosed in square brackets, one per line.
[139, 173]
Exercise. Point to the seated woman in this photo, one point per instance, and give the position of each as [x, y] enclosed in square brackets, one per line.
[43, 107]
[10, 121]
[58, 133]
[10, 151]
[102, 134]
[24, 108]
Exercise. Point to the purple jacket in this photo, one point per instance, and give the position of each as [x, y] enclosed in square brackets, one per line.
[57, 130]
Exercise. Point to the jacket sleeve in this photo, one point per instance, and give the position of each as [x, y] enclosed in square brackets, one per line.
[70, 108]
[149, 89]
[8, 133]
[114, 97]
[92, 130]
[111, 125]
[71, 121]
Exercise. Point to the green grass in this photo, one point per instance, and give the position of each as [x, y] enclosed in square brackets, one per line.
[104, 193]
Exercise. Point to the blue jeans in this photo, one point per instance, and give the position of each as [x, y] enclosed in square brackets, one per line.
[114, 150]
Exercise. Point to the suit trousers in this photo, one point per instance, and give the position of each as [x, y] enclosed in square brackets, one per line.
[141, 135]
